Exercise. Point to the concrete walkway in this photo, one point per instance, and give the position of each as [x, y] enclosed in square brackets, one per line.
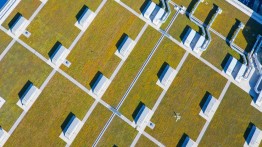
[153, 139]
[10, 132]
[7, 49]
[136, 140]
[200, 136]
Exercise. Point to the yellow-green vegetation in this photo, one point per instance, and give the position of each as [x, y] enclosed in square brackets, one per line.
[143, 141]
[55, 22]
[183, 2]
[218, 52]
[119, 133]
[131, 66]
[16, 68]
[179, 27]
[93, 126]
[184, 96]
[146, 90]
[228, 126]
[44, 121]
[26, 8]
[138, 5]
[227, 19]
[95, 51]
[5, 40]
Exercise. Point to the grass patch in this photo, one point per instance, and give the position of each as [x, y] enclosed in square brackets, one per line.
[146, 90]
[25, 7]
[184, 97]
[51, 25]
[131, 66]
[218, 51]
[93, 126]
[49, 112]
[119, 133]
[178, 28]
[16, 68]
[145, 141]
[5, 40]
[95, 51]
[232, 119]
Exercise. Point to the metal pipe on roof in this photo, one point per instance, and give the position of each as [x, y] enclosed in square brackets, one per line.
[166, 7]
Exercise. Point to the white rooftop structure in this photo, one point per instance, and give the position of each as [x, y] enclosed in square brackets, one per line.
[149, 9]
[59, 55]
[209, 108]
[71, 130]
[240, 73]
[259, 100]
[29, 94]
[3, 136]
[158, 17]
[71, 127]
[142, 117]
[19, 26]
[125, 48]
[193, 40]
[154, 13]
[100, 85]
[2, 101]
[166, 77]
[189, 143]
[231, 63]
[85, 19]
[254, 137]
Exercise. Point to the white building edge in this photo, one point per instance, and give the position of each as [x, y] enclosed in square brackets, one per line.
[19, 26]
[142, 118]
[166, 78]
[188, 142]
[71, 130]
[209, 108]
[3, 136]
[85, 19]
[125, 48]
[194, 40]
[28, 97]
[254, 137]
[100, 85]
[154, 13]
[59, 55]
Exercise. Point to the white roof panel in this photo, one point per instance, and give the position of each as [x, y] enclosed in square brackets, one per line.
[2, 134]
[29, 94]
[241, 72]
[158, 18]
[142, 115]
[149, 9]
[166, 75]
[85, 16]
[209, 104]
[125, 46]
[59, 55]
[100, 84]
[231, 65]
[254, 137]
[71, 126]
[199, 43]
[189, 37]
[188, 142]
[18, 24]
